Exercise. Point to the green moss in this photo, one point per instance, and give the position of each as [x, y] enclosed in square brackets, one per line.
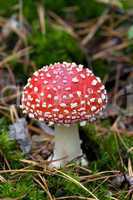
[30, 10]
[100, 68]
[22, 185]
[128, 4]
[87, 9]
[6, 6]
[84, 9]
[8, 147]
[58, 6]
[106, 123]
[23, 188]
[111, 148]
[104, 152]
[55, 46]
[91, 8]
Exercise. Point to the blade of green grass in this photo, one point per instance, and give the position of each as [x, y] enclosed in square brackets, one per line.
[66, 176]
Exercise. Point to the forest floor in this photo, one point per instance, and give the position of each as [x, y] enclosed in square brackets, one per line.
[97, 35]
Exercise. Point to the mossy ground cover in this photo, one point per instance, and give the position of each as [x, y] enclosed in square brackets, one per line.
[29, 185]
[26, 48]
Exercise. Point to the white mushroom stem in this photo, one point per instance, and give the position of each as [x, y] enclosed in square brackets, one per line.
[67, 144]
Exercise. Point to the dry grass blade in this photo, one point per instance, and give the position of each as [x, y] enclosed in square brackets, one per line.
[2, 179]
[117, 78]
[20, 171]
[66, 176]
[116, 130]
[41, 163]
[7, 99]
[20, 197]
[84, 169]
[112, 2]
[31, 162]
[74, 198]
[94, 29]
[98, 175]
[119, 132]
[95, 190]
[45, 163]
[13, 113]
[39, 131]
[130, 150]
[60, 22]
[130, 169]
[87, 180]
[4, 108]
[114, 198]
[5, 160]
[2, 21]
[4, 114]
[44, 186]
[15, 55]
[41, 14]
[104, 53]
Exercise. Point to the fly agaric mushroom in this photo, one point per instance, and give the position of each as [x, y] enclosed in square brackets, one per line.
[62, 95]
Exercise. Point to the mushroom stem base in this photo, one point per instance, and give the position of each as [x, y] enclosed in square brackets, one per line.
[67, 144]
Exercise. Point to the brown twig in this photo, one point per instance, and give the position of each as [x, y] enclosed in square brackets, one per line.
[93, 30]
[118, 72]
[58, 21]
[15, 55]
[106, 52]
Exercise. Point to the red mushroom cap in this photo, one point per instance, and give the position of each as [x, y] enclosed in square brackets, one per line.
[64, 93]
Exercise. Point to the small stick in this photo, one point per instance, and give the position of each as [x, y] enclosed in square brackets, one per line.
[94, 29]
[41, 15]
